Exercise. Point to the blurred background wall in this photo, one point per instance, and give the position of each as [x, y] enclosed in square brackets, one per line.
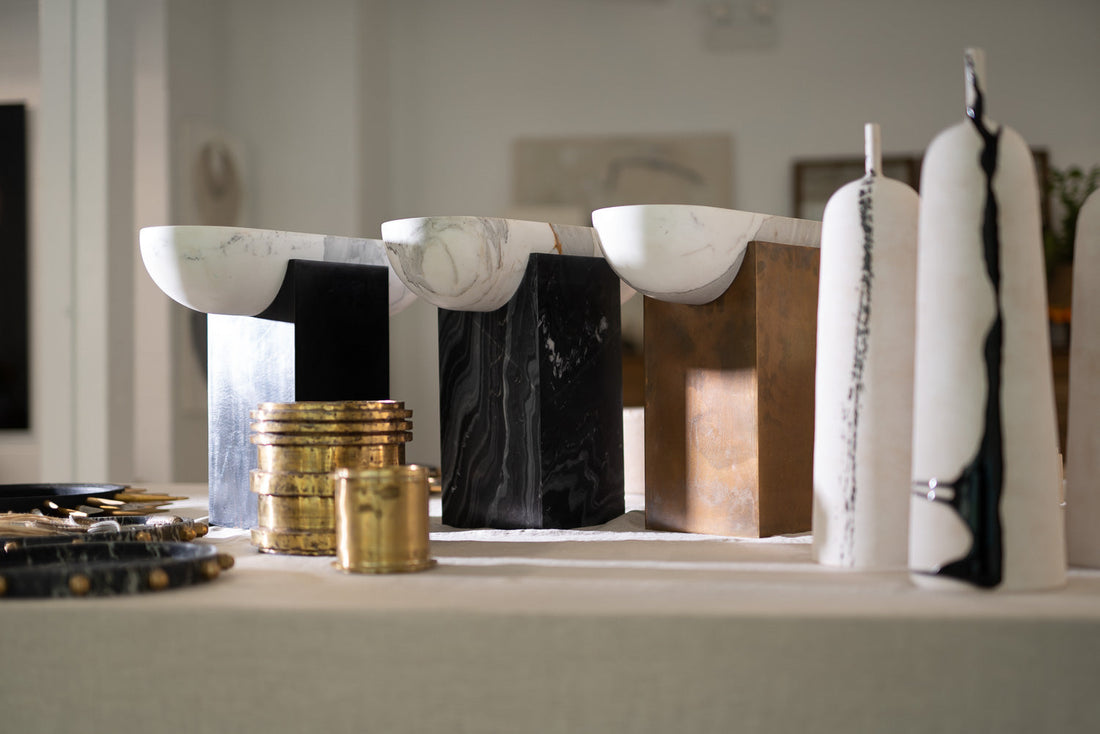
[346, 113]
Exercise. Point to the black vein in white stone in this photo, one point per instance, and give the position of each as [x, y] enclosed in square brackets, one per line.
[853, 403]
[979, 486]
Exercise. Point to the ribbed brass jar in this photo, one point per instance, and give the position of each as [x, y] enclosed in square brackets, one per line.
[299, 446]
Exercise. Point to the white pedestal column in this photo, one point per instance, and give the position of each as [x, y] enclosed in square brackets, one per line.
[84, 262]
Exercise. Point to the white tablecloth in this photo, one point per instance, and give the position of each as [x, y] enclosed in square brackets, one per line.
[607, 629]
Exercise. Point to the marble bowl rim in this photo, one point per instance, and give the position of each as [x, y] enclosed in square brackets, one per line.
[682, 208]
[465, 218]
[250, 230]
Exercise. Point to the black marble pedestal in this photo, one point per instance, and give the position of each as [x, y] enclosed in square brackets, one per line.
[531, 402]
[324, 337]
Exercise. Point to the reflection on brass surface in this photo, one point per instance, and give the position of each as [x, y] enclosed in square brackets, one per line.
[730, 401]
[325, 459]
[299, 513]
[387, 433]
[293, 484]
[79, 584]
[382, 425]
[158, 579]
[104, 502]
[327, 411]
[289, 541]
[132, 495]
[326, 417]
[210, 569]
[382, 520]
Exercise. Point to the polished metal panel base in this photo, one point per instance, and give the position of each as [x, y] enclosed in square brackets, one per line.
[251, 361]
[324, 337]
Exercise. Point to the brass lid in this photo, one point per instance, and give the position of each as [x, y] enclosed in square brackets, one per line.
[329, 411]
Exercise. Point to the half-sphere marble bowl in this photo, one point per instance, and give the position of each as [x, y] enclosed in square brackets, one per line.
[685, 253]
[238, 271]
[475, 263]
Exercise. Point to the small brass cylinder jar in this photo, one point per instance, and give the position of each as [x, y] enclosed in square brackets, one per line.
[382, 520]
[299, 446]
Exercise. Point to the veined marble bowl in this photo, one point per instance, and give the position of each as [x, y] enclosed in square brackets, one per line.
[238, 271]
[685, 253]
[475, 263]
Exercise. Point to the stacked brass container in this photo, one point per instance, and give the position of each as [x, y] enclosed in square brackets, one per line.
[300, 446]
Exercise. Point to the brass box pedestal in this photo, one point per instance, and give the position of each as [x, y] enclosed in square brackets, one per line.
[729, 409]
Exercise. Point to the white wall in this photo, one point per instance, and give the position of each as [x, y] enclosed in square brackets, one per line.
[19, 51]
[196, 51]
[356, 111]
[292, 85]
[19, 83]
[467, 78]
[84, 252]
[301, 86]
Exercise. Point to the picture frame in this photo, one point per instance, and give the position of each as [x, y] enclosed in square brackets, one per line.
[817, 179]
[814, 180]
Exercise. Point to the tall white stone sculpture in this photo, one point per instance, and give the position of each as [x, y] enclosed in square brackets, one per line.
[1083, 436]
[863, 415]
[985, 504]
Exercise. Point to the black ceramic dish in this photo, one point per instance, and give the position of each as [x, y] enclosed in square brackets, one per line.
[26, 497]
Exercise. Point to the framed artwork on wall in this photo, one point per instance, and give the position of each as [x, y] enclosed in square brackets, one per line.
[814, 180]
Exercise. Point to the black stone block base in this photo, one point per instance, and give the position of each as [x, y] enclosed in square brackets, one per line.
[531, 402]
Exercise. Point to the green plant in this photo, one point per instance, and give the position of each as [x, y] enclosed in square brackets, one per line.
[1070, 187]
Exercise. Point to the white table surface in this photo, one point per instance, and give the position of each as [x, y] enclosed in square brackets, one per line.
[608, 629]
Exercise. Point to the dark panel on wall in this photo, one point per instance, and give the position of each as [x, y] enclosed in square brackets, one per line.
[13, 268]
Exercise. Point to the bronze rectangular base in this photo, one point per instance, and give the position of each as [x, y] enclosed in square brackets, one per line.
[729, 408]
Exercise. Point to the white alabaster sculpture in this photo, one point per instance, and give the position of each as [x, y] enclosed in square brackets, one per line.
[1083, 435]
[685, 253]
[238, 271]
[985, 500]
[864, 390]
[465, 263]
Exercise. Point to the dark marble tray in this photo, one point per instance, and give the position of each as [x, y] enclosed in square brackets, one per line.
[103, 568]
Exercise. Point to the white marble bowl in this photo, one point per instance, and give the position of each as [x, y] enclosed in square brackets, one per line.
[475, 263]
[238, 271]
[685, 253]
